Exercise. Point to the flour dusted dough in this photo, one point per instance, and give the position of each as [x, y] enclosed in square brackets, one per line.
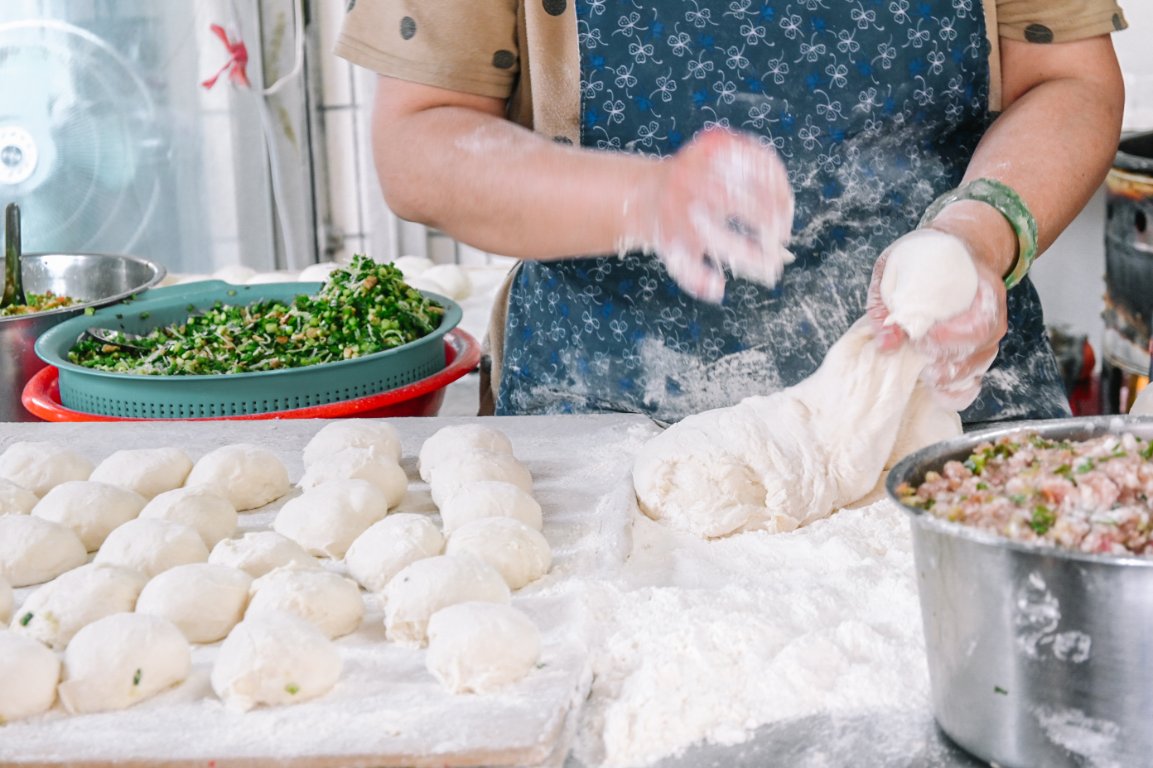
[389, 545]
[359, 464]
[490, 498]
[324, 599]
[929, 276]
[34, 550]
[247, 475]
[147, 471]
[258, 552]
[379, 436]
[55, 612]
[447, 442]
[152, 546]
[200, 508]
[41, 466]
[327, 518]
[465, 469]
[204, 600]
[15, 499]
[7, 601]
[121, 660]
[424, 587]
[481, 647]
[274, 658]
[520, 553]
[92, 509]
[30, 673]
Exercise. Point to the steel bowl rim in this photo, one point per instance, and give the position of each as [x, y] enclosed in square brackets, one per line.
[159, 271]
[934, 456]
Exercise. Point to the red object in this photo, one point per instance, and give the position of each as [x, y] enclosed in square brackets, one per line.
[420, 398]
[237, 64]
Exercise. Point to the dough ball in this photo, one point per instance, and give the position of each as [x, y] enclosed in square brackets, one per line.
[274, 659]
[447, 442]
[247, 475]
[490, 498]
[15, 499]
[424, 587]
[411, 266]
[449, 479]
[326, 519]
[30, 673]
[120, 660]
[520, 553]
[41, 466]
[317, 273]
[325, 599]
[55, 612]
[7, 601]
[152, 546]
[480, 647]
[202, 509]
[359, 464]
[204, 600]
[389, 545]
[91, 509]
[452, 280]
[258, 552]
[147, 471]
[34, 550]
[353, 433]
[929, 276]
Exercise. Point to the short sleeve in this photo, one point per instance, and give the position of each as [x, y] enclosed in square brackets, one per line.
[1057, 21]
[460, 45]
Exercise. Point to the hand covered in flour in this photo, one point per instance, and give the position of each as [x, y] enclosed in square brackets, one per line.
[957, 330]
[722, 202]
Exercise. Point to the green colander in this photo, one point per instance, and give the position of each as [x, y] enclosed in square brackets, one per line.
[209, 396]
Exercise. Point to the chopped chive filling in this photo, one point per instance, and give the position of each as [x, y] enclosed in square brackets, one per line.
[292, 689]
[137, 676]
[26, 618]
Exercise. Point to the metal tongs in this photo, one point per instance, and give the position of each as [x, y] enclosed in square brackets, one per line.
[13, 279]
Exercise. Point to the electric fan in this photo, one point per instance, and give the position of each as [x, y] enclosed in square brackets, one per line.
[80, 147]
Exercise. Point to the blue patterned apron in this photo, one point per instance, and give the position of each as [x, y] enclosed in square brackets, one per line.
[875, 106]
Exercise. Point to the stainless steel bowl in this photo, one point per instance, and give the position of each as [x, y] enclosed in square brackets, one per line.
[95, 279]
[1037, 656]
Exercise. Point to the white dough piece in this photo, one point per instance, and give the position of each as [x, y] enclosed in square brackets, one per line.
[34, 550]
[200, 508]
[389, 545]
[520, 553]
[490, 498]
[274, 659]
[258, 552]
[353, 433]
[327, 518]
[204, 600]
[247, 475]
[411, 266]
[55, 612]
[358, 464]
[152, 546]
[15, 499]
[92, 509]
[325, 599]
[121, 660]
[147, 471]
[317, 272]
[450, 477]
[452, 280]
[7, 601]
[41, 466]
[929, 276]
[30, 673]
[481, 647]
[924, 423]
[424, 587]
[448, 441]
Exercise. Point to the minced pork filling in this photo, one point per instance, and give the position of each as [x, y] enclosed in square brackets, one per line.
[1090, 495]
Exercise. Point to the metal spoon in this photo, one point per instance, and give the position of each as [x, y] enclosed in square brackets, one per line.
[13, 279]
[122, 339]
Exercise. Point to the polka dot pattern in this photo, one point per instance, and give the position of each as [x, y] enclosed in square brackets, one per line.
[407, 27]
[1038, 33]
[503, 59]
[555, 7]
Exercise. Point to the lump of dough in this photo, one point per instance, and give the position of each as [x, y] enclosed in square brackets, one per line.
[389, 545]
[30, 673]
[7, 601]
[411, 266]
[274, 659]
[336, 436]
[147, 471]
[247, 475]
[204, 600]
[15, 499]
[425, 586]
[521, 554]
[449, 478]
[41, 466]
[490, 498]
[200, 508]
[929, 276]
[324, 599]
[446, 279]
[152, 546]
[480, 647]
[924, 423]
[448, 441]
[55, 612]
[327, 518]
[34, 550]
[358, 464]
[258, 552]
[121, 660]
[91, 509]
